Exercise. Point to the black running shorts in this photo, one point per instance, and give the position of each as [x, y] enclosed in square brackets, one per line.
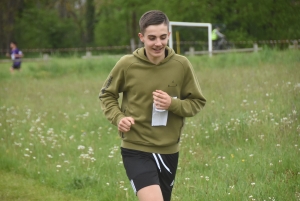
[16, 66]
[144, 169]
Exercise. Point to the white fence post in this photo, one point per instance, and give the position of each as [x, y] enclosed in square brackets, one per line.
[88, 54]
[295, 44]
[45, 56]
[255, 47]
[192, 51]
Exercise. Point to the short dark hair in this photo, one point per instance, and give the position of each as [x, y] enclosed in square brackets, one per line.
[14, 42]
[153, 17]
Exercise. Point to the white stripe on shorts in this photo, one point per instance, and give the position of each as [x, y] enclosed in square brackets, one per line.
[157, 163]
[164, 163]
[133, 186]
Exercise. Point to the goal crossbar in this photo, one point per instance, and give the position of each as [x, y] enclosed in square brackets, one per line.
[192, 24]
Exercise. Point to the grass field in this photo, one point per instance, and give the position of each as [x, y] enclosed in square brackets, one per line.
[57, 145]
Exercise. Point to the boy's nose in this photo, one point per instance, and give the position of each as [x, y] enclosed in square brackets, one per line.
[158, 42]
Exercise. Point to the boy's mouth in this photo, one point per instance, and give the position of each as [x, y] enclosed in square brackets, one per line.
[158, 49]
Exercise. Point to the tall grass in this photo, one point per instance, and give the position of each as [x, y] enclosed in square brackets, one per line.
[243, 146]
[58, 67]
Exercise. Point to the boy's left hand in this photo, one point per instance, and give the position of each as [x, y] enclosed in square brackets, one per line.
[162, 100]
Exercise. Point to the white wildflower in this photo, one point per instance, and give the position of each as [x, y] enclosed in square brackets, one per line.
[81, 147]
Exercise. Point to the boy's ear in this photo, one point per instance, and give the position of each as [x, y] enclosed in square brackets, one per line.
[141, 36]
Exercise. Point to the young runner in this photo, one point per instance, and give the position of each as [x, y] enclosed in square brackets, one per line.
[159, 90]
[16, 56]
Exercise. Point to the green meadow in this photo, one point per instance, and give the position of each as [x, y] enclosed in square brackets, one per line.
[56, 144]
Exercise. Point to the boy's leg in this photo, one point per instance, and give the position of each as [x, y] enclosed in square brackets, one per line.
[151, 175]
[150, 193]
[12, 68]
[214, 45]
[142, 172]
[221, 43]
[167, 172]
[15, 67]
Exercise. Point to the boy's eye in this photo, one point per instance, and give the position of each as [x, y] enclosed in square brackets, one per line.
[152, 38]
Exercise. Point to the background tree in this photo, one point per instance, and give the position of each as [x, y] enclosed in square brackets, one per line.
[90, 21]
[81, 23]
[9, 10]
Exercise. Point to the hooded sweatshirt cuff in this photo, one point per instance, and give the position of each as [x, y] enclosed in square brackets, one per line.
[118, 119]
[174, 104]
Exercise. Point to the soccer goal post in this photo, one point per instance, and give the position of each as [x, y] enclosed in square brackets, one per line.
[192, 24]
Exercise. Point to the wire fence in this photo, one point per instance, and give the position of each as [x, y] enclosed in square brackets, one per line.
[128, 48]
[250, 42]
[79, 49]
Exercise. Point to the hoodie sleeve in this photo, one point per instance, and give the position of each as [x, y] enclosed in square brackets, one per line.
[109, 94]
[191, 99]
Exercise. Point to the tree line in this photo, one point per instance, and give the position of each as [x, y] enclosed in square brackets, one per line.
[88, 23]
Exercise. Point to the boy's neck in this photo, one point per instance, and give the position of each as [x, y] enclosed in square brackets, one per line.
[156, 60]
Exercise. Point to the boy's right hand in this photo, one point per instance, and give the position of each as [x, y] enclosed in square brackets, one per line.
[125, 124]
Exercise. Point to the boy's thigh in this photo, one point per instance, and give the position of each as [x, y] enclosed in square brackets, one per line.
[168, 163]
[145, 169]
[140, 168]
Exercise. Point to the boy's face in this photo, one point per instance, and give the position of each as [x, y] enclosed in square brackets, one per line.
[155, 40]
[12, 45]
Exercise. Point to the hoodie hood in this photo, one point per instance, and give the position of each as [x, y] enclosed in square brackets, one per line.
[140, 53]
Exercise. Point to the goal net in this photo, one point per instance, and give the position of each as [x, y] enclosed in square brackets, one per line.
[197, 35]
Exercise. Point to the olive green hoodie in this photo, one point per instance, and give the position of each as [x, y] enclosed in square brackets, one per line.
[136, 77]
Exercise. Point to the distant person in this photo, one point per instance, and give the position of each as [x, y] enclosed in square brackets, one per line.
[16, 56]
[159, 90]
[218, 38]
